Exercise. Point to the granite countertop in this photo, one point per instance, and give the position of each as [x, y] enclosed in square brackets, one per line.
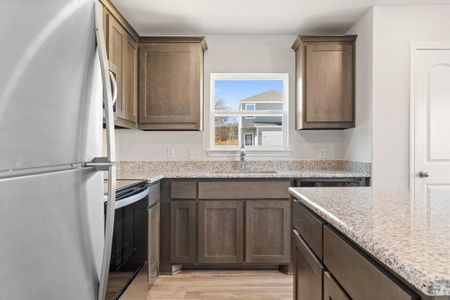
[157, 170]
[153, 177]
[410, 235]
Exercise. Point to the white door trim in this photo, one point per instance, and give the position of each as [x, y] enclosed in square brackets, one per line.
[416, 46]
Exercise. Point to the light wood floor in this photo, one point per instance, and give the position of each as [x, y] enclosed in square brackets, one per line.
[223, 284]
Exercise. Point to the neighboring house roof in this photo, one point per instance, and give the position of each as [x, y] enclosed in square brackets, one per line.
[267, 96]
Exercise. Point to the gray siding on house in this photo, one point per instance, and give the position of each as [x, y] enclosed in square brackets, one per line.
[265, 106]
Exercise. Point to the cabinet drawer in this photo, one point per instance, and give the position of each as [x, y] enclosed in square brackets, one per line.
[357, 275]
[307, 271]
[309, 227]
[331, 290]
[244, 190]
[183, 190]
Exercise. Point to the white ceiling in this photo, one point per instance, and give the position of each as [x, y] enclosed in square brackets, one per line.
[235, 17]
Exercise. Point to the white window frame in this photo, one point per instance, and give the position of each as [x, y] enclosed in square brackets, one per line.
[254, 150]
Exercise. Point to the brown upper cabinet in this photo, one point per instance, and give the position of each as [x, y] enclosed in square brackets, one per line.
[325, 82]
[171, 83]
[123, 63]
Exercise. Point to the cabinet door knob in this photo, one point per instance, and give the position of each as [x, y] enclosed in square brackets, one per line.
[424, 174]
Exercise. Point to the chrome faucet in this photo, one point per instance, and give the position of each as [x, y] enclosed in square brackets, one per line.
[242, 158]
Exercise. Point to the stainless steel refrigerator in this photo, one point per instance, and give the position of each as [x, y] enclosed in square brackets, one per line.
[55, 90]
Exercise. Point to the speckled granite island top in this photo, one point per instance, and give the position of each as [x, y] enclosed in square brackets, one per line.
[410, 236]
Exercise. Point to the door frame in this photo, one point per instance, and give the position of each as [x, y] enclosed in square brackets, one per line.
[415, 47]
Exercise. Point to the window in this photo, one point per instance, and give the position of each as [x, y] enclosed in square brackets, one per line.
[248, 139]
[250, 106]
[249, 110]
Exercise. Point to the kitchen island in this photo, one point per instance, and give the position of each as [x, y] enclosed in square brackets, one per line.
[369, 241]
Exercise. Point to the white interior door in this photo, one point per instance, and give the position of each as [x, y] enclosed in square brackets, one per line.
[430, 173]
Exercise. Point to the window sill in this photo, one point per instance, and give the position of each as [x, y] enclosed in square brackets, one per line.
[250, 153]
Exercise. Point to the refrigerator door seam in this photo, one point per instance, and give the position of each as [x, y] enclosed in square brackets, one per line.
[11, 174]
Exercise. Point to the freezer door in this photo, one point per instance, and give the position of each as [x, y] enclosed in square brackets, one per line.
[50, 84]
[51, 235]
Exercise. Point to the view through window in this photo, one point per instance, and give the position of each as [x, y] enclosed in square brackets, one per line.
[249, 110]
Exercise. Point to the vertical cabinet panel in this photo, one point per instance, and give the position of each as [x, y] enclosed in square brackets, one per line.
[123, 60]
[221, 232]
[182, 231]
[130, 80]
[325, 82]
[170, 86]
[267, 231]
[116, 53]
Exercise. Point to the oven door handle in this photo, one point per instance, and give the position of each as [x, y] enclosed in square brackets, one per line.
[132, 199]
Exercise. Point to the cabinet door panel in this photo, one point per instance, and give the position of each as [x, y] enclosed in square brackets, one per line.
[122, 55]
[116, 36]
[329, 82]
[308, 271]
[331, 290]
[182, 231]
[267, 231]
[220, 232]
[170, 85]
[130, 79]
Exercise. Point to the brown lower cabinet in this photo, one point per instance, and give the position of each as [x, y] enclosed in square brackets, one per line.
[308, 271]
[182, 231]
[267, 231]
[344, 272]
[331, 289]
[228, 228]
[220, 232]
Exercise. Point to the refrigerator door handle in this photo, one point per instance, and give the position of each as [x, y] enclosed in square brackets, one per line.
[111, 155]
[99, 164]
[114, 87]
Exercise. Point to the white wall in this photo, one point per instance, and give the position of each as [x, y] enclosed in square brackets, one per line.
[358, 140]
[264, 54]
[394, 29]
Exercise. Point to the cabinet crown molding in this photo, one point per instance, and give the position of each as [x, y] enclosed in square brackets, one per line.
[322, 38]
[175, 39]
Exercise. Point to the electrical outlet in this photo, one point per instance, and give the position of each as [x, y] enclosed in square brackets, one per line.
[170, 152]
[322, 153]
[195, 154]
